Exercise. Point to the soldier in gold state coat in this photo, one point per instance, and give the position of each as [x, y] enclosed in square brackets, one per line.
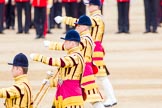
[97, 32]
[20, 94]
[88, 82]
[69, 92]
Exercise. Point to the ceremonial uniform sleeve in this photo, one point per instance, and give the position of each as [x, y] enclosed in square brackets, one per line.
[66, 61]
[69, 21]
[11, 92]
[56, 46]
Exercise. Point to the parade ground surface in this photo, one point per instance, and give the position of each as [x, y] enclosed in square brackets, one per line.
[134, 60]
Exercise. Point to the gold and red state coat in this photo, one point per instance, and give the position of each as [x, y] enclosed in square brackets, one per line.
[19, 95]
[71, 66]
[97, 33]
[91, 91]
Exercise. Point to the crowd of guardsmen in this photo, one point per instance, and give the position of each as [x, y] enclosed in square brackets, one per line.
[47, 10]
[83, 68]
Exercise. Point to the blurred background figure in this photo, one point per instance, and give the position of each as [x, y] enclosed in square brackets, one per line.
[48, 19]
[20, 5]
[10, 14]
[31, 17]
[71, 10]
[102, 2]
[81, 8]
[151, 11]
[2, 3]
[39, 17]
[123, 16]
[56, 10]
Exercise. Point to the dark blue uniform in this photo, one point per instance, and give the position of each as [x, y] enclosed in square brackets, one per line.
[151, 11]
[20, 5]
[10, 15]
[56, 10]
[123, 16]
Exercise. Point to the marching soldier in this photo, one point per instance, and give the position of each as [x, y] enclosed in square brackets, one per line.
[88, 83]
[69, 92]
[20, 94]
[20, 5]
[97, 33]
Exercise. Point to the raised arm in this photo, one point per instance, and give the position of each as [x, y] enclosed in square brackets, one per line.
[54, 45]
[63, 62]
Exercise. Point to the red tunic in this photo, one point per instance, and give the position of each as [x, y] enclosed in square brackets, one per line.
[2, 1]
[39, 3]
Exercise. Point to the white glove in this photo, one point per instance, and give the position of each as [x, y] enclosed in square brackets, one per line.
[32, 55]
[49, 6]
[58, 19]
[86, 1]
[46, 43]
[6, 1]
[46, 81]
[49, 74]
